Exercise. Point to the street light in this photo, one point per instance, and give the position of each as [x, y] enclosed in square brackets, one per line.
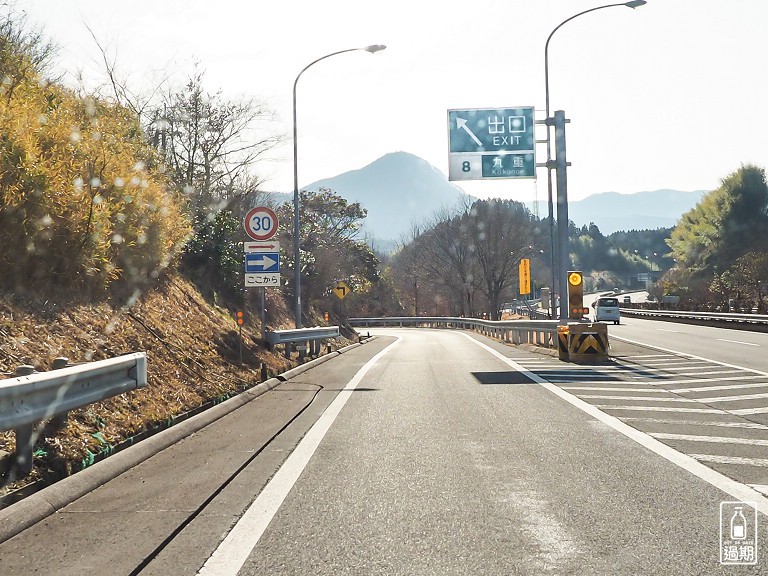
[373, 48]
[563, 257]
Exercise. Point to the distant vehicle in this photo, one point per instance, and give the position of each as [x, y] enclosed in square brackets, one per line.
[606, 309]
[627, 300]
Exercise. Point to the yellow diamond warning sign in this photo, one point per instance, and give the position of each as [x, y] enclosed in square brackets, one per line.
[341, 289]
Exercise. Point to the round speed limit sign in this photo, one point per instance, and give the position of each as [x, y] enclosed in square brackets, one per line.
[260, 223]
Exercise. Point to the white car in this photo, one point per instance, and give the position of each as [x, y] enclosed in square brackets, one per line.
[607, 309]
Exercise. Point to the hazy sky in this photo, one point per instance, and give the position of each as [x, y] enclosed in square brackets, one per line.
[670, 95]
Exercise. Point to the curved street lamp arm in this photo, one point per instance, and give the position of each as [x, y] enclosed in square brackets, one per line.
[373, 48]
[546, 45]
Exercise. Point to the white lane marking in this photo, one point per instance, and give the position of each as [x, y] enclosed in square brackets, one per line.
[745, 411]
[665, 330]
[234, 550]
[659, 381]
[643, 398]
[651, 356]
[673, 421]
[710, 439]
[663, 409]
[738, 342]
[760, 487]
[650, 364]
[616, 389]
[734, 398]
[732, 371]
[690, 356]
[762, 462]
[726, 387]
[717, 379]
[739, 491]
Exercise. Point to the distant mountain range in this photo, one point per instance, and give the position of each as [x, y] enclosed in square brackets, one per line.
[401, 190]
[612, 211]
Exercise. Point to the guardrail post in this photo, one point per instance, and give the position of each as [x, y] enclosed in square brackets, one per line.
[60, 420]
[25, 440]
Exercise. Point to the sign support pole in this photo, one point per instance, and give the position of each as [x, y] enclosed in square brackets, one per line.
[562, 212]
[263, 313]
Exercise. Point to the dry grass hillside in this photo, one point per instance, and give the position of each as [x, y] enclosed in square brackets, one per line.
[193, 359]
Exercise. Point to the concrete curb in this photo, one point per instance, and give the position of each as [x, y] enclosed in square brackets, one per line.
[38, 506]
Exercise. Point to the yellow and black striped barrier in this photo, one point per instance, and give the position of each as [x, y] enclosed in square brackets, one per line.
[562, 342]
[583, 342]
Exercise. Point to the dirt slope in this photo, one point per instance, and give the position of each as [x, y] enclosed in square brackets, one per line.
[193, 358]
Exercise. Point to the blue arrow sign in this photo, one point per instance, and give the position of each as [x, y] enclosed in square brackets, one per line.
[262, 262]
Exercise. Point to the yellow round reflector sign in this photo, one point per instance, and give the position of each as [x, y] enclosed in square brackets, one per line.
[574, 278]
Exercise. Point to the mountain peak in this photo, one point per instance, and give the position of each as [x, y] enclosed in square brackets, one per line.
[398, 190]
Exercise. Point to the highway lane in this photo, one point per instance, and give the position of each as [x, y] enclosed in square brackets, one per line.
[441, 458]
[461, 466]
[741, 347]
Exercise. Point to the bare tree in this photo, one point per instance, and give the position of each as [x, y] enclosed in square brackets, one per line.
[25, 53]
[502, 232]
[211, 144]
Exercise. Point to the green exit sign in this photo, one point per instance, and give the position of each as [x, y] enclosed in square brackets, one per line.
[491, 143]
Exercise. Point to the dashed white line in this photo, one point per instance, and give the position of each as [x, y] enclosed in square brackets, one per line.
[738, 342]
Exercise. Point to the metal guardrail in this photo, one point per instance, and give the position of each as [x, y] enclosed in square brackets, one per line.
[28, 400]
[538, 332]
[314, 336]
[699, 317]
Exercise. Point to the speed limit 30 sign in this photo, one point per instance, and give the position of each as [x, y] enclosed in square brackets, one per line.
[260, 223]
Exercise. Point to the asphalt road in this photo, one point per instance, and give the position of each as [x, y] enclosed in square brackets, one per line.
[742, 347]
[424, 452]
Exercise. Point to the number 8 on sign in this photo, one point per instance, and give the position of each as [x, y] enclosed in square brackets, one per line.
[260, 223]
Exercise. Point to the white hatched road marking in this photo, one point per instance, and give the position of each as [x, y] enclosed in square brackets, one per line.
[715, 379]
[750, 425]
[710, 439]
[726, 387]
[694, 357]
[734, 398]
[616, 389]
[643, 398]
[746, 411]
[652, 356]
[662, 409]
[761, 462]
[736, 489]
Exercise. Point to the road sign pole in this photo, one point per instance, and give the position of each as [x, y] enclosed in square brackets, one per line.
[562, 212]
[263, 313]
